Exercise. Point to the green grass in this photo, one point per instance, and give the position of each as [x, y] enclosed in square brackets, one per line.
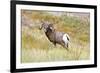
[37, 48]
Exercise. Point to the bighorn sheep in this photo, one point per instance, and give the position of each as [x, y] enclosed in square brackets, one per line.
[55, 36]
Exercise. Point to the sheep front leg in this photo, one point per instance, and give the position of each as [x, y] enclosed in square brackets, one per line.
[54, 43]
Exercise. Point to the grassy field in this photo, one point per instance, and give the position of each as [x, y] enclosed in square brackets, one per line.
[37, 48]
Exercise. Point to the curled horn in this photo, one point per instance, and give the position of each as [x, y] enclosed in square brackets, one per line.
[41, 26]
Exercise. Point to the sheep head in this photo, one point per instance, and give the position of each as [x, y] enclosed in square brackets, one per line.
[47, 26]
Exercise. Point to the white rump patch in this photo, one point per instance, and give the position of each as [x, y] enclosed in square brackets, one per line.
[65, 36]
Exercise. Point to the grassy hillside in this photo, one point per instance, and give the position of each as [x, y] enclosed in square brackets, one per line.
[37, 48]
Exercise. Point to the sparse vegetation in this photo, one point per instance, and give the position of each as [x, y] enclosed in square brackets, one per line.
[37, 48]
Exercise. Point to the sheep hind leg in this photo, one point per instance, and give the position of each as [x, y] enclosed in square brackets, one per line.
[67, 47]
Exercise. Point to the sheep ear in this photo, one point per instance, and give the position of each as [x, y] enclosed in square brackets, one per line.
[51, 25]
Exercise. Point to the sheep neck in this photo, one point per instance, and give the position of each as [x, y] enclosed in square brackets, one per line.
[50, 35]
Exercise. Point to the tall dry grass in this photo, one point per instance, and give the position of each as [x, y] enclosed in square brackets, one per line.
[37, 48]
